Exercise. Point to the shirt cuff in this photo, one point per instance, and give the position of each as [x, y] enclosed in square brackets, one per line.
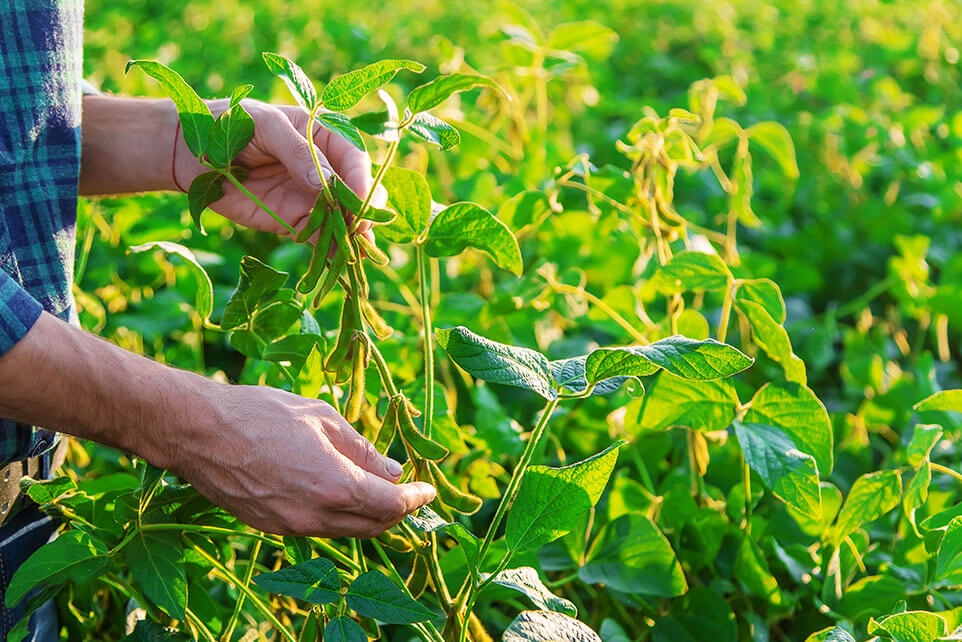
[18, 312]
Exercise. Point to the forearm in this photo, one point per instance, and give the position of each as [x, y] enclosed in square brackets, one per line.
[62, 378]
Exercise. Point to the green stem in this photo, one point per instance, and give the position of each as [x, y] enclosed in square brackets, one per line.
[391, 152]
[747, 477]
[857, 305]
[382, 370]
[258, 202]
[604, 307]
[426, 627]
[428, 339]
[204, 631]
[945, 469]
[726, 311]
[229, 631]
[317, 162]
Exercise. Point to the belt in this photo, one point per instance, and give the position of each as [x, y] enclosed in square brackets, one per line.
[11, 500]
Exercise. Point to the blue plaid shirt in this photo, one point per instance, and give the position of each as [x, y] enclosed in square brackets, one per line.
[40, 95]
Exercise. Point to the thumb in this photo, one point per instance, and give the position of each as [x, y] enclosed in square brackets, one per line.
[291, 148]
[355, 447]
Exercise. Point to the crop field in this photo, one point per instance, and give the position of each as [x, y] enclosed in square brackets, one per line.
[666, 301]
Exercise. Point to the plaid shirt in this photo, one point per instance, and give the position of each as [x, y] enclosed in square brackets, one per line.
[40, 72]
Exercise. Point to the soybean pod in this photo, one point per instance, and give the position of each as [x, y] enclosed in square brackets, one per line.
[318, 260]
[355, 399]
[388, 427]
[337, 266]
[349, 323]
[315, 220]
[378, 325]
[372, 251]
[451, 495]
[422, 445]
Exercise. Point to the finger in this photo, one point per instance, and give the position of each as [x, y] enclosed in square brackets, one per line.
[290, 147]
[329, 524]
[362, 452]
[389, 502]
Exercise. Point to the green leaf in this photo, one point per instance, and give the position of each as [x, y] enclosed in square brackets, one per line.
[723, 131]
[343, 127]
[587, 37]
[233, 130]
[239, 94]
[46, 492]
[551, 500]
[344, 91]
[496, 362]
[467, 224]
[344, 629]
[205, 289]
[872, 495]
[700, 405]
[632, 556]
[427, 520]
[205, 189]
[258, 281]
[790, 474]
[798, 412]
[910, 626]
[548, 626]
[374, 595]
[834, 634]
[352, 202]
[315, 581]
[751, 570]
[430, 95]
[916, 494]
[409, 196]
[765, 293]
[74, 556]
[295, 348]
[434, 130]
[945, 400]
[775, 139]
[297, 81]
[156, 560]
[950, 550]
[773, 340]
[378, 124]
[523, 209]
[687, 358]
[526, 581]
[570, 374]
[195, 118]
[922, 443]
[691, 271]
[149, 631]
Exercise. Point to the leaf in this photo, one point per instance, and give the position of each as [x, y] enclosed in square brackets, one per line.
[587, 36]
[46, 492]
[408, 195]
[295, 348]
[910, 626]
[773, 340]
[570, 374]
[496, 362]
[525, 580]
[835, 634]
[374, 595]
[205, 289]
[431, 94]
[923, 441]
[548, 626]
[790, 474]
[429, 521]
[691, 271]
[950, 550]
[239, 94]
[205, 189]
[917, 493]
[523, 209]
[344, 91]
[551, 500]
[467, 224]
[765, 293]
[258, 281]
[687, 358]
[700, 405]
[751, 570]
[798, 412]
[343, 127]
[195, 117]
[344, 629]
[149, 631]
[872, 495]
[232, 131]
[434, 130]
[632, 556]
[352, 202]
[298, 82]
[75, 556]
[775, 139]
[156, 560]
[944, 400]
[315, 581]
[378, 124]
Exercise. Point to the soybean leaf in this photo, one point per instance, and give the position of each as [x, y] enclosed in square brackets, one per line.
[687, 358]
[944, 400]
[723, 131]
[232, 131]
[315, 581]
[392, 131]
[351, 201]
[376, 123]
[700, 405]
[205, 189]
[431, 94]
[427, 520]
[295, 348]
[195, 118]
[523, 209]
[410, 196]
[344, 629]
[835, 634]
[205, 289]
[344, 91]
[773, 340]
[692, 271]
[434, 130]
[156, 560]
[239, 94]
[923, 440]
[373, 595]
[790, 474]
[752, 571]
[916, 494]
[526, 581]
[551, 500]
[765, 293]
[297, 81]
[496, 362]
[46, 492]
[586, 36]
[570, 374]
[462, 225]
[75, 555]
[344, 127]
[632, 556]
[548, 626]
[150, 631]
[910, 626]
[775, 139]
[872, 495]
[297, 549]
[798, 412]
[258, 281]
[950, 550]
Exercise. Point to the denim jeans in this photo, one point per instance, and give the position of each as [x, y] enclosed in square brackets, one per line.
[26, 531]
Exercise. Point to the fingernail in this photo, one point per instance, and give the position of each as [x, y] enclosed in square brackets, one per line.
[314, 179]
[393, 468]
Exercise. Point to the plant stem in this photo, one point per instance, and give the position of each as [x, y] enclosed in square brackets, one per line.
[317, 162]
[428, 338]
[426, 627]
[259, 203]
[229, 631]
[199, 625]
[726, 311]
[747, 477]
[382, 369]
[945, 469]
[391, 152]
[604, 307]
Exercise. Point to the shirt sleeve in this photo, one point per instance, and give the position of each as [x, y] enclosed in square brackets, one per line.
[18, 312]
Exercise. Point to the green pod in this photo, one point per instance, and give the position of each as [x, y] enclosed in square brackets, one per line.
[337, 266]
[422, 445]
[318, 260]
[388, 428]
[448, 493]
[349, 323]
[417, 581]
[395, 542]
[377, 323]
[316, 219]
[342, 237]
[352, 410]
[372, 251]
[364, 290]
